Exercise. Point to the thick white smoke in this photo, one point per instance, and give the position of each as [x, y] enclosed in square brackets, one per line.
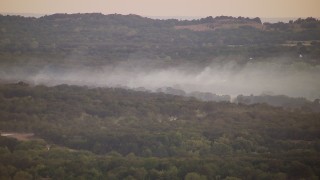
[295, 79]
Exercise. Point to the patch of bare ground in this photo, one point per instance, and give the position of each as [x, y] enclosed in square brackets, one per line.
[20, 136]
[30, 136]
[219, 25]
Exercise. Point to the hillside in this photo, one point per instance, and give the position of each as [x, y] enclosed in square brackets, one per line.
[130, 51]
[223, 22]
[176, 135]
[93, 96]
[95, 39]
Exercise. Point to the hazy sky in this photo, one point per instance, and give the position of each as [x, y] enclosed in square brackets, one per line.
[250, 8]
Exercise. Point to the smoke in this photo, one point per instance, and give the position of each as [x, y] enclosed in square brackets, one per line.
[295, 79]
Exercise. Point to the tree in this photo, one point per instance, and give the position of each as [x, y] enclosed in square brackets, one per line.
[257, 20]
[22, 175]
[194, 176]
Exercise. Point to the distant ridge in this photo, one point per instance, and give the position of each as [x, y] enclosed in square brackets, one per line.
[175, 17]
[263, 19]
[275, 20]
[24, 14]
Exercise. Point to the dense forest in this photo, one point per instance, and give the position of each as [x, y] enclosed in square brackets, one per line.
[103, 39]
[111, 133]
[79, 98]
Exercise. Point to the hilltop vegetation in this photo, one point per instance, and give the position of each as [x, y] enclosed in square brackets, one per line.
[161, 136]
[113, 38]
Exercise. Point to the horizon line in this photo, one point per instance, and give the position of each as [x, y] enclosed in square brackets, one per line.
[162, 17]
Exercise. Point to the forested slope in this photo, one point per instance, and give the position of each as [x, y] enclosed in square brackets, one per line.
[95, 39]
[130, 134]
